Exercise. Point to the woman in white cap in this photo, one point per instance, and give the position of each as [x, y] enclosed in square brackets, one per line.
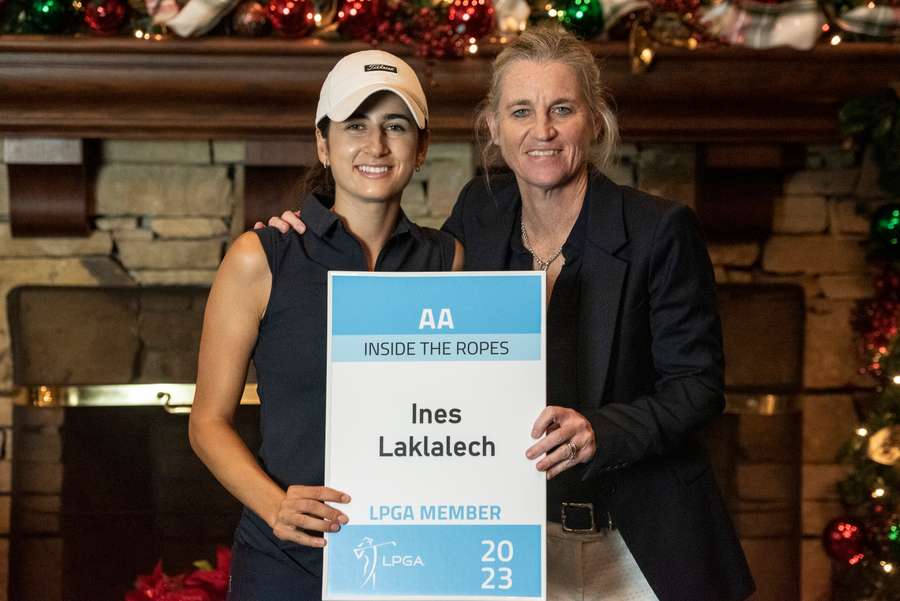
[268, 303]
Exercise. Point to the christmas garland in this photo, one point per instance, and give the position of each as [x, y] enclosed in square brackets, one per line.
[453, 28]
[866, 541]
[875, 121]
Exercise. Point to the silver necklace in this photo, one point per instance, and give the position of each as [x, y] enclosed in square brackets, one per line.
[542, 263]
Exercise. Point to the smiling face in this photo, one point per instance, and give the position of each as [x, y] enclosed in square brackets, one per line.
[374, 152]
[543, 125]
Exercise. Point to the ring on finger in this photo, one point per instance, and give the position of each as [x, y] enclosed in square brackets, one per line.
[573, 450]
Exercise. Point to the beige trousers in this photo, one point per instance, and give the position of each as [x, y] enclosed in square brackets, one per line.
[592, 567]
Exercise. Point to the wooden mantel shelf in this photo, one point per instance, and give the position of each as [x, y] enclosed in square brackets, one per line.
[267, 89]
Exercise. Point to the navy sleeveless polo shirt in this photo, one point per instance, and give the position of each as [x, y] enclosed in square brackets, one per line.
[290, 350]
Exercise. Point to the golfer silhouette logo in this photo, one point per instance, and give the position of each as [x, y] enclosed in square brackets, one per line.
[368, 551]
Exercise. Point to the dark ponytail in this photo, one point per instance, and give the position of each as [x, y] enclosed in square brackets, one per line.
[317, 178]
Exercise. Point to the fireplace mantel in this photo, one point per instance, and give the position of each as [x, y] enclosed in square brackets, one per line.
[266, 89]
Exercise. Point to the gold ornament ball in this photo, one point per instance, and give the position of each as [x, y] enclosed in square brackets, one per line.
[884, 446]
[251, 19]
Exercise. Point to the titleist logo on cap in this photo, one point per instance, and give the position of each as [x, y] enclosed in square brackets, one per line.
[390, 68]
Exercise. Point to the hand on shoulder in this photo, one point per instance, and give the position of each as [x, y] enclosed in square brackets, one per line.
[286, 222]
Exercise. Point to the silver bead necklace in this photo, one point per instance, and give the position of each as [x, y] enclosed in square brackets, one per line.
[542, 263]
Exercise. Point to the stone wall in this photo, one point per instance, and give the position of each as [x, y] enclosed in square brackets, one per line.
[817, 242]
[165, 212]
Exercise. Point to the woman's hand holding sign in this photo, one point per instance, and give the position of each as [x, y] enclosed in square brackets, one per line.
[566, 439]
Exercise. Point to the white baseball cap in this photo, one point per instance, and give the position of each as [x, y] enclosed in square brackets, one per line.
[359, 75]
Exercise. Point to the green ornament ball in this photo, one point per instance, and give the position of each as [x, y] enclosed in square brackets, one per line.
[49, 16]
[885, 228]
[892, 537]
[584, 18]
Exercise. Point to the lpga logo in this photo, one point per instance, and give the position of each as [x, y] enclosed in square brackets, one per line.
[374, 556]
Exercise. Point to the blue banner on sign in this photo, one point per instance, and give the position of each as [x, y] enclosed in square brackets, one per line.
[423, 305]
[435, 559]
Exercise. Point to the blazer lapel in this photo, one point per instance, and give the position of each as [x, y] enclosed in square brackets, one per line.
[602, 280]
[603, 273]
[491, 248]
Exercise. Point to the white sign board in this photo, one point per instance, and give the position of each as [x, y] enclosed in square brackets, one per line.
[434, 383]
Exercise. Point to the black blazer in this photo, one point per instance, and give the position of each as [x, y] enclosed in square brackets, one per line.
[650, 369]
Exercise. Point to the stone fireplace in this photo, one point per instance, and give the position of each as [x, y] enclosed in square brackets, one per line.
[145, 324]
[779, 198]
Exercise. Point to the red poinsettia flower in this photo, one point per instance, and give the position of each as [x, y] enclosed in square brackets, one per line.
[201, 585]
[215, 581]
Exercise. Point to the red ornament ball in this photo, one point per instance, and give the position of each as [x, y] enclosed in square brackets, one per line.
[844, 539]
[293, 18]
[105, 17]
[360, 19]
[471, 18]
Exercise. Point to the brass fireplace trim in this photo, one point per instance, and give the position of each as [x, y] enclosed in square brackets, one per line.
[174, 398]
[761, 404]
[177, 398]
